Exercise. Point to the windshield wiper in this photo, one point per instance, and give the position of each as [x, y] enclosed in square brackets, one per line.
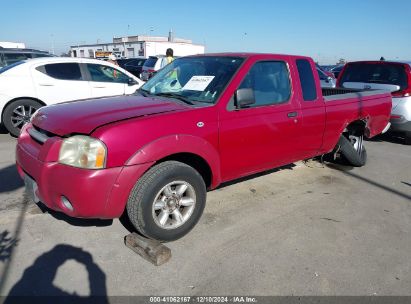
[176, 96]
[143, 92]
[203, 101]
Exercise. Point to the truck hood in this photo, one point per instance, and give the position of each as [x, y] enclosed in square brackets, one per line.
[83, 116]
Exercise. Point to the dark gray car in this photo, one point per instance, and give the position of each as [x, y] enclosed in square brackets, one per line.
[10, 56]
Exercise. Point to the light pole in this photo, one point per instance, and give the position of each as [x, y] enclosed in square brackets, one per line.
[124, 42]
[52, 44]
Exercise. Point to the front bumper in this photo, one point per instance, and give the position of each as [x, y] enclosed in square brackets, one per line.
[92, 193]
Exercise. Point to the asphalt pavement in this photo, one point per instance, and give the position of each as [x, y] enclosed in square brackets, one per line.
[305, 229]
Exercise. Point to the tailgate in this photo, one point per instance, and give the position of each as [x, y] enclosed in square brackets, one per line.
[370, 86]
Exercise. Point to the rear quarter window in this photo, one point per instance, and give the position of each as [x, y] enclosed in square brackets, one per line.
[307, 81]
[62, 71]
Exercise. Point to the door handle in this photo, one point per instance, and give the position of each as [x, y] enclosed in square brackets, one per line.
[99, 87]
[292, 114]
[46, 84]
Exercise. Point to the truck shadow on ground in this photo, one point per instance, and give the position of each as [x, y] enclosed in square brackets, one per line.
[256, 175]
[344, 170]
[3, 130]
[7, 244]
[391, 137]
[79, 222]
[37, 280]
[125, 221]
[10, 179]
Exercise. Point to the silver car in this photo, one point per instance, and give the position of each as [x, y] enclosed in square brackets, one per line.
[393, 76]
[337, 70]
[152, 65]
[326, 81]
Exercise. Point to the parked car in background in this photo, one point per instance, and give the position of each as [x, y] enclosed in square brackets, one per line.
[132, 65]
[337, 70]
[327, 80]
[10, 56]
[152, 65]
[28, 85]
[327, 68]
[392, 76]
[200, 121]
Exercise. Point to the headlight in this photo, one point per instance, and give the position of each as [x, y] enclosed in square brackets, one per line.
[83, 152]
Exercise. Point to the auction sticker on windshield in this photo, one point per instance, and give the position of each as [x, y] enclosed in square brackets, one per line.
[198, 83]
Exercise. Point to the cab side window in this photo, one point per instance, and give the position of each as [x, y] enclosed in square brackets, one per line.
[62, 71]
[270, 81]
[103, 73]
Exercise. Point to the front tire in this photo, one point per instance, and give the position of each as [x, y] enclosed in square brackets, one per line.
[167, 201]
[18, 113]
[353, 150]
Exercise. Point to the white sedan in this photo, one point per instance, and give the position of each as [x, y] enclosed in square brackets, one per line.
[28, 85]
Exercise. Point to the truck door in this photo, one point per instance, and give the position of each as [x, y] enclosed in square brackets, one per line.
[312, 106]
[266, 133]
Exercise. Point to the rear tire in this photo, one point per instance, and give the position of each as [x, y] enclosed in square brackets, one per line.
[167, 201]
[353, 150]
[18, 113]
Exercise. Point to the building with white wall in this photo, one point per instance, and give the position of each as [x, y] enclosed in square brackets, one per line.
[12, 45]
[138, 46]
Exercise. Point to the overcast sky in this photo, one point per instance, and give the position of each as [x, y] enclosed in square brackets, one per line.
[325, 30]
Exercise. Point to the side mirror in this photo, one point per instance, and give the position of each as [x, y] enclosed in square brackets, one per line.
[244, 98]
[131, 82]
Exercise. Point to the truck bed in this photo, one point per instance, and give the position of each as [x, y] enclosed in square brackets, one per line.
[344, 106]
[331, 94]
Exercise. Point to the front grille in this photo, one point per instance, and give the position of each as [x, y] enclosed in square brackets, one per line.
[37, 135]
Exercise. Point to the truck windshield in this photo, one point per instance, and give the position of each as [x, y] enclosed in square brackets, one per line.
[197, 79]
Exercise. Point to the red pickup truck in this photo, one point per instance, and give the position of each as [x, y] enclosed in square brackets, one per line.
[200, 121]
